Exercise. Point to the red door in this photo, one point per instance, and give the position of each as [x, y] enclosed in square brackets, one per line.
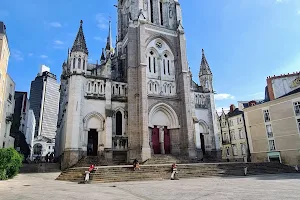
[167, 141]
[155, 140]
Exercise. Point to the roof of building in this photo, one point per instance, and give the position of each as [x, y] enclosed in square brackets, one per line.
[79, 43]
[235, 113]
[283, 75]
[292, 92]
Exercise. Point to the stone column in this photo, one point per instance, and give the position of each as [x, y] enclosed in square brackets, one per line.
[161, 140]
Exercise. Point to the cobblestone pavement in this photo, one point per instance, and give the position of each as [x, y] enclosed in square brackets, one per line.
[43, 186]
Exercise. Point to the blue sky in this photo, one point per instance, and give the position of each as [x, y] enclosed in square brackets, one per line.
[244, 40]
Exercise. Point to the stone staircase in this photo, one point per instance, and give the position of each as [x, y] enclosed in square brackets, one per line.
[89, 160]
[125, 173]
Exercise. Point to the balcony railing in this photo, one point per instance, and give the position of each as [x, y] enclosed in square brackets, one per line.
[120, 143]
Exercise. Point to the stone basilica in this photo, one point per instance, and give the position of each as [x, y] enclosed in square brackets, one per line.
[140, 99]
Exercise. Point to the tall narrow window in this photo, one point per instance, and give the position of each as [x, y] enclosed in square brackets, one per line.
[151, 11]
[79, 63]
[168, 67]
[164, 63]
[83, 64]
[272, 145]
[170, 89]
[161, 13]
[297, 108]
[165, 89]
[266, 115]
[149, 64]
[269, 131]
[119, 123]
[150, 85]
[74, 61]
[298, 121]
[101, 88]
[154, 65]
[89, 87]
[155, 87]
[119, 90]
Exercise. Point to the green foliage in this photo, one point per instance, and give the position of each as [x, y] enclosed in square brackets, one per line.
[10, 163]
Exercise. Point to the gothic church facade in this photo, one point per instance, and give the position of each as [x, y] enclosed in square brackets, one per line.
[140, 99]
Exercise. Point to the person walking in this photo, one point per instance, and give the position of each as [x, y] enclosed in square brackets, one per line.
[174, 171]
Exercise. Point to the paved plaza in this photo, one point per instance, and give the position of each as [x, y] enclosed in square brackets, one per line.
[43, 186]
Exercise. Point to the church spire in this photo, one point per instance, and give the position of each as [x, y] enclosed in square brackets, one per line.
[79, 43]
[204, 67]
[109, 48]
[103, 56]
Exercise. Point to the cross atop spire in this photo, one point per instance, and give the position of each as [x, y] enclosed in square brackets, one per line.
[204, 68]
[79, 43]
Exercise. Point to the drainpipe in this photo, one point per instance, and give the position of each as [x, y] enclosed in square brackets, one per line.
[248, 147]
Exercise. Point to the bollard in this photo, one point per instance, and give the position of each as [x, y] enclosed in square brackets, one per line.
[245, 171]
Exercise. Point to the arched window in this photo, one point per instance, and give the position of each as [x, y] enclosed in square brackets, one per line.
[151, 11]
[101, 88]
[164, 63]
[154, 65]
[83, 67]
[119, 123]
[165, 89]
[169, 67]
[149, 64]
[206, 84]
[161, 13]
[79, 63]
[113, 90]
[155, 87]
[119, 90]
[170, 89]
[89, 87]
[74, 61]
[95, 87]
[150, 86]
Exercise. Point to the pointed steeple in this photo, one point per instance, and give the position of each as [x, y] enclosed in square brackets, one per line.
[109, 48]
[79, 43]
[204, 68]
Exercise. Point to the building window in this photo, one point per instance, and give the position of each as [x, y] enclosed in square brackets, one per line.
[89, 87]
[79, 63]
[151, 11]
[269, 131]
[266, 115]
[164, 63]
[49, 147]
[3, 145]
[74, 61]
[241, 134]
[170, 89]
[154, 65]
[150, 64]
[232, 135]
[83, 67]
[169, 67]
[235, 150]
[155, 87]
[150, 87]
[161, 13]
[298, 122]
[272, 145]
[297, 108]
[243, 148]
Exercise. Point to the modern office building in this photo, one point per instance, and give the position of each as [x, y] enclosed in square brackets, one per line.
[44, 100]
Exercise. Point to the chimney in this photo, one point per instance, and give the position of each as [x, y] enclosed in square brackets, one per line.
[232, 108]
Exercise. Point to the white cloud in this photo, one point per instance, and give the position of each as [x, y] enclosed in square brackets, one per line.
[55, 24]
[100, 39]
[30, 54]
[102, 22]
[223, 96]
[43, 56]
[17, 55]
[58, 42]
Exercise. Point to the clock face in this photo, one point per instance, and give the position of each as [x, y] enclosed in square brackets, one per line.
[159, 45]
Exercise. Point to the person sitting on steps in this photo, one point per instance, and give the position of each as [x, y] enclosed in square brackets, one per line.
[174, 171]
[87, 173]
[136, 165]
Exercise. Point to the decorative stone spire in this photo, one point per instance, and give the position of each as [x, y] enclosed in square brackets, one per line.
[79, 43]
[109, 48]
[204, 68]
